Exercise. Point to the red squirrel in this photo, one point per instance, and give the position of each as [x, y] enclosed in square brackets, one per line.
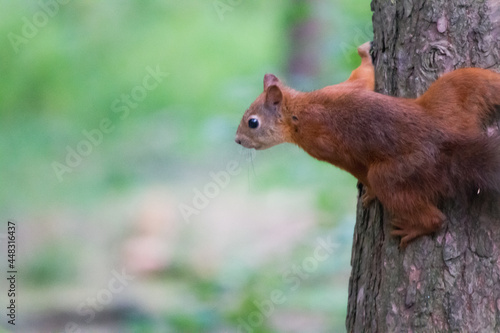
[408, 153]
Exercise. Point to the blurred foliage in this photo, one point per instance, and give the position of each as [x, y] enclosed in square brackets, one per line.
[51, 266]
[64, 80]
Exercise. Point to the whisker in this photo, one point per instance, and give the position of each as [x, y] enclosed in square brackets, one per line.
[251, 161]
[248, 173]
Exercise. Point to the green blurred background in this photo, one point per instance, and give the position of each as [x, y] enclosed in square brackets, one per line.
[139, 199]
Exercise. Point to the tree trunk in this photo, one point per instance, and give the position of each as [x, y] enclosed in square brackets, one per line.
[448, 282]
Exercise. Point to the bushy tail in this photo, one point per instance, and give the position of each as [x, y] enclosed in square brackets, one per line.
[475, 164]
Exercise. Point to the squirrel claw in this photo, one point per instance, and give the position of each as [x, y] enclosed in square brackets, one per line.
[367, 197]
[405, 237]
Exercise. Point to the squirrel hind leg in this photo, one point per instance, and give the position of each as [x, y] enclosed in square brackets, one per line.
[364, 51]
[364, 75]
[427, 220]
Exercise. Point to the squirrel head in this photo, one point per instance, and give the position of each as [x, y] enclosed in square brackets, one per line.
[262, 124]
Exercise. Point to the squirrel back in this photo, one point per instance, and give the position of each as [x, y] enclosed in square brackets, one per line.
[467, 103]
[408, 153]
[466, 100]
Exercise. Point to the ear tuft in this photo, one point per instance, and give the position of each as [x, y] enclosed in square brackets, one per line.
[274, 96]
[269, 80]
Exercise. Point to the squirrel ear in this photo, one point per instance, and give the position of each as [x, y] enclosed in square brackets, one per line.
[269, 80]
[274, 96]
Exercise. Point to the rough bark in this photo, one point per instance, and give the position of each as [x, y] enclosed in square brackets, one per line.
[448, 282]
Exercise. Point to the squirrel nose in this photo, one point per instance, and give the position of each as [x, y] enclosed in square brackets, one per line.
[238, 141]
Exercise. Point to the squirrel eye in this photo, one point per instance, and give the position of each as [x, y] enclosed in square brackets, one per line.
[253, 123]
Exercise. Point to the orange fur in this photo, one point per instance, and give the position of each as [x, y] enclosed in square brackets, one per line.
[409, 153]
[365, 73]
